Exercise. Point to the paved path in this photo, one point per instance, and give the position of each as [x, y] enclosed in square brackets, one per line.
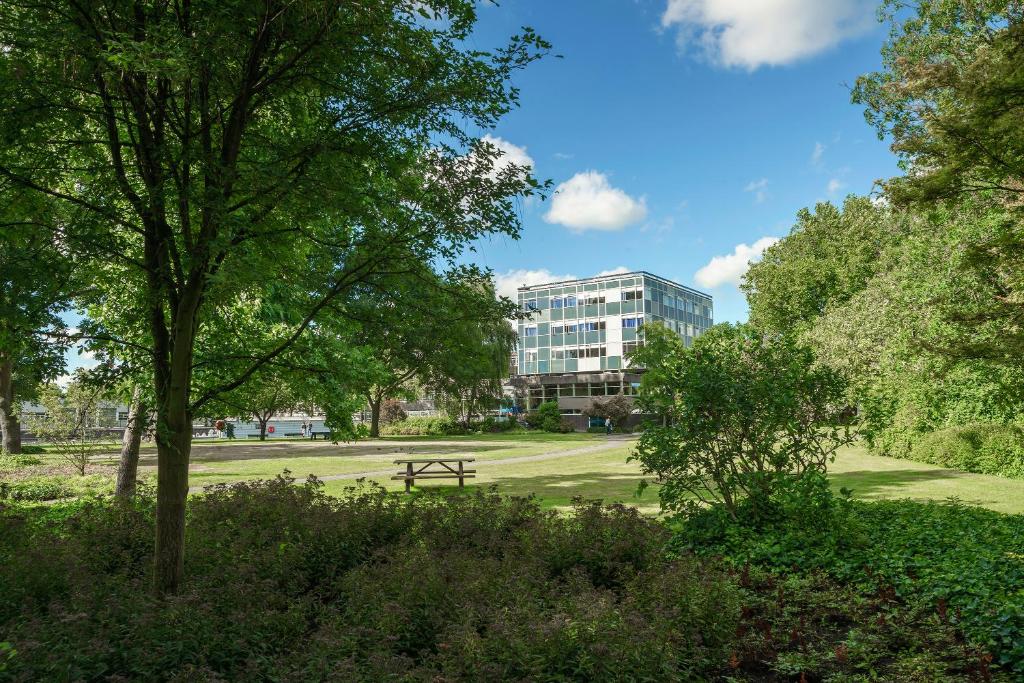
[611, 442]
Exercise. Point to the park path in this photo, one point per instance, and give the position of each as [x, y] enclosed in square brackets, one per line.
[612, 442]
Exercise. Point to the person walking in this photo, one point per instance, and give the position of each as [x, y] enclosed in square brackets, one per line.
[608, 426]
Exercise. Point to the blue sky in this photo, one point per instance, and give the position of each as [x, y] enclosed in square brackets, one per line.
[684, 133]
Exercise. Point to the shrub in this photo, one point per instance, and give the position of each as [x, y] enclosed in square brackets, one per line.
[53, 487]
[423, 426]
[617, 407]
[32, 449]
[741, 414]
[9, 462]
[392, 411]
[36, 489]
[982, 448]
[548, 417]
[285, 583]
[492, 425]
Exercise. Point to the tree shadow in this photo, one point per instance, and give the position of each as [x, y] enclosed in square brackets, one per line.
[275, 451]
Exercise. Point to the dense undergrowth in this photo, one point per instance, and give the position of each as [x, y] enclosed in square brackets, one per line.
[964, 564]
[285, 583]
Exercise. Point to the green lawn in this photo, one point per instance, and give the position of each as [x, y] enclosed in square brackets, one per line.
[555, 467]
[607, 475]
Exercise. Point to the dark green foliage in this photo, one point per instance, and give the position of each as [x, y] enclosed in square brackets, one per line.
[32, 449]
[549, 418]
[983, 448]
[285, 583]
[423, 426]
[491, 425]
[961, 561]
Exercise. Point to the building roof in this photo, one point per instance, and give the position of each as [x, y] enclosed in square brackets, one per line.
[616, 276]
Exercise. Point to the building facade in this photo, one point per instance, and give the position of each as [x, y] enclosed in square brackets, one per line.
[574, 344]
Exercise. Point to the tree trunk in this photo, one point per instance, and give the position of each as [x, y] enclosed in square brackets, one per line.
[174, 446]
[263, 428]
[127, 470]
[375, 417]
[10, 427]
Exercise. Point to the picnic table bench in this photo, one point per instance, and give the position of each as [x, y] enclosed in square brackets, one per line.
[420, 468]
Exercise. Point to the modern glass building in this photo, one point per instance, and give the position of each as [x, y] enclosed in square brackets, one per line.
[575, 341]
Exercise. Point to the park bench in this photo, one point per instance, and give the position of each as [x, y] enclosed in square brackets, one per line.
[313, 435]
[420, 468]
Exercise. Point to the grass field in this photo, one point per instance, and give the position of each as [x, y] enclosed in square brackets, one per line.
[554, 467]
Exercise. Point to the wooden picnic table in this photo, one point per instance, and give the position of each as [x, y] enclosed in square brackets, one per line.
[420, 468]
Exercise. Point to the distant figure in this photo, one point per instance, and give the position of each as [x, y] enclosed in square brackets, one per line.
[607, 425]
[303, 428]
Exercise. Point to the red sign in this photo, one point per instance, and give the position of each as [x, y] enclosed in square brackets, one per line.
[270, 429]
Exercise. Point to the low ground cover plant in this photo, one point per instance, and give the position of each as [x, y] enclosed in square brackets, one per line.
[288, 584]
[964, 564]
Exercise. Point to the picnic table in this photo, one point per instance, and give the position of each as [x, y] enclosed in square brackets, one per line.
[325, 434]
[447, 468]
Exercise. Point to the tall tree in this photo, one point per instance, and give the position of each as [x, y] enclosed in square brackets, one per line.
[951, 98]
[35, 287]
[445, 332]
[219, 147]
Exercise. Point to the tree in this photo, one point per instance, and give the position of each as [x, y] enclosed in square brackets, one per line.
[950, 97]
[75, 423]
[227, 147]
[266, 394]
[35, 287]
[447, 332]
[743, 415]
[617, 408]
[131, 441]
[828, 256]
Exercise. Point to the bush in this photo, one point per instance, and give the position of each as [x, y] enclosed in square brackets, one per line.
[548, 417]
[392, 411]
[32, 449]
[423, 426]
[982, 448]
[53, 487]
[10, 462]
[285, 583]
[492, 425]
[741, 415]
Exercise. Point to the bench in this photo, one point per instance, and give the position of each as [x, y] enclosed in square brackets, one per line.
[420, 468]
[313, 435]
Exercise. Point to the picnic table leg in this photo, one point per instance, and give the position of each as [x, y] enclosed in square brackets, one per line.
[461, 479]
[408, 477]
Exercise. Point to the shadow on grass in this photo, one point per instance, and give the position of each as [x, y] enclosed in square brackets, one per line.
[872, 482]
[275, 451]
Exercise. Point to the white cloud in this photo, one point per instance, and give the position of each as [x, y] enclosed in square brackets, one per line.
[614, 271]
[506, 284]
[753, 33]
[731, 267]
[819, 150]
[510, 154]
[835, 185]
[561, 156]
[587, 201]
[759, 188]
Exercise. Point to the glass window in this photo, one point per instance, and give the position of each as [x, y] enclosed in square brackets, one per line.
[631, 294]
[531, 356]
[530, 331]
